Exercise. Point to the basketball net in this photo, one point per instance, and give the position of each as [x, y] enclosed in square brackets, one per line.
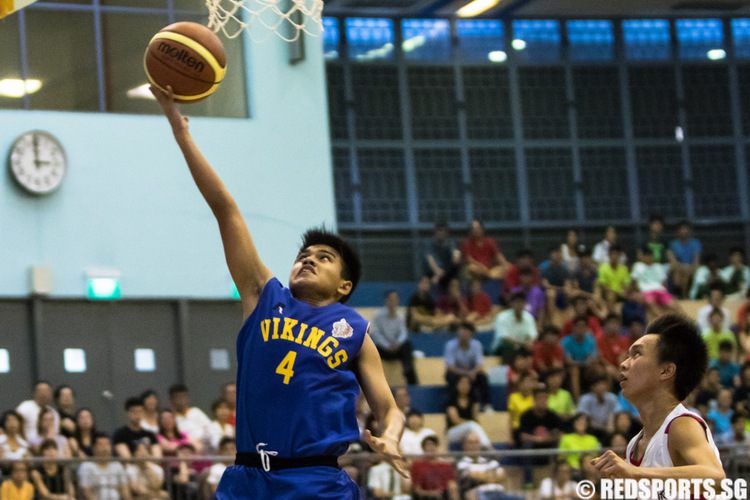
[287, 18]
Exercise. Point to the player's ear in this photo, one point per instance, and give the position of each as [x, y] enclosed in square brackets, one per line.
[345, 287]
[668, 370]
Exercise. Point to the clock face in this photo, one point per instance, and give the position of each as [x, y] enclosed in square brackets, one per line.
[37, 162]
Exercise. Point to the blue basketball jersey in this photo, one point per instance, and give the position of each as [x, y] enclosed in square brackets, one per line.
[296, 390]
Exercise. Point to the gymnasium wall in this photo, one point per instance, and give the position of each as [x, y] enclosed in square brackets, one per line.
[128, 202]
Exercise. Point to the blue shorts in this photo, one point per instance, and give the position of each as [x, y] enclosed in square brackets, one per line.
[304, 483]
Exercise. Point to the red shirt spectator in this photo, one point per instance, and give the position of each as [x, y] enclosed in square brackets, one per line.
[479, 303]
[612, 346]
[547, 352]
[484, 250]
[432, 476]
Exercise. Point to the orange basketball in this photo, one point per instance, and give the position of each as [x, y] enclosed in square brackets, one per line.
[188, 57]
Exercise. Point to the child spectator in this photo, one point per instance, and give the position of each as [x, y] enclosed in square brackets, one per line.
[228, 449]
[581, 355]
[13, 446]
[613, 277]
[715, 301]
[717, 333]
[650, 278]
[547, 354]
[104, 478]
[388, 332]
[414, 433]
[559, 486]
[422, 312]
[18, 486]
[600, 405]
[146, 478]
[477, 475]
[704, 276]
[432, 477]
[729, 370]
[585, 306]
[514, 328]
[736, 275]
[51, 480]
[461, 414]
[463, 357]
[579, 439]
[560, 401]
[684, 257]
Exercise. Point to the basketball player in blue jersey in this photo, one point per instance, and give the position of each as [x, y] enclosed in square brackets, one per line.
[663, 367]
[302, 358]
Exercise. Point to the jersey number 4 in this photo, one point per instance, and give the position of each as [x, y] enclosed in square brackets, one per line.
[286, 365]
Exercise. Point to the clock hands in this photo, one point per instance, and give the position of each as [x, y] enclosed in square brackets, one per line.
[37, 162]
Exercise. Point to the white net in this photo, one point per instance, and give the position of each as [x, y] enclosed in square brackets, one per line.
[286, 18]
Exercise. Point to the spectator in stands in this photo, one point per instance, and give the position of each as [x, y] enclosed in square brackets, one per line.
[477, 475]
[384, 482]
[684, 257]
[705, 276]
[184, 475]
[581, 355]
[547, 354]
[633, 306]
[13, 446]
[717, 333]
[571, 250]
[556, 280]
[721, 416]
[461, 413]
[626, 425]
[650, 278]
[479, 305]
[586, 276]
[613, 277]
[229, 394]
[579, 439]
[560, 401]
[46, 430]
[600, 405]
[30, 409]
[540, 428]
[602, 250]
[536, 300]
[145, 478]
[729, 370]
[708, 390]
[739, 440]
[389, 333]
[514, 328]
[519, 401]
[82, 442]
[422, 311]
[524, 260]
[51, 480]
[613, 347]
[432, 477]
[480, 253]
[442, 258]
[736, 275]
[656, 241]
[741, 398]
[414, 433]
[715, 301]
[191, 420]
[403, 398]
[65, 404]
[520, 365]
[127, 437]
[150, 420]
[103, 479]
[451, 301]
[559, 486]
[588, 307]
[463, 357]
[170, 437]
[18, 486]
[227, 449]
[619, 444]
[220, 427]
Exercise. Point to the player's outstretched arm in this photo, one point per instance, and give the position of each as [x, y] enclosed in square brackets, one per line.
[249, 273]
[379, 397]
[691, 454]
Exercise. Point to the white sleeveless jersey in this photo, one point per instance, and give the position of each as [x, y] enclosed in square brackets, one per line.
[657, 450]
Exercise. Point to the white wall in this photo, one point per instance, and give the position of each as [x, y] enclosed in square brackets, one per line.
[128, 201]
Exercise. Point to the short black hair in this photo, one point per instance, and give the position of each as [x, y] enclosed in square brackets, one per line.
[680, 342]
[225, 441]
[432, 438]
[148, 393]
[737, 249]
[413, 412]
[177, 389]
[612, 317]
[647, 251]
[615, 248]
[517, 295]
[468, 325]
[726, 345]
[655, 218]
[525, 252]
[47, 444]
[581, 319]
[61, 388]
[716, 285]
[133, 401]
[351, 269]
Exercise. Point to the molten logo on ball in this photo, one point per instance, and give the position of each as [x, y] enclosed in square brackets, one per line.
[180, 55]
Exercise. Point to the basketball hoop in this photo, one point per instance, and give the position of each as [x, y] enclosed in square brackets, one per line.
[287, 18]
